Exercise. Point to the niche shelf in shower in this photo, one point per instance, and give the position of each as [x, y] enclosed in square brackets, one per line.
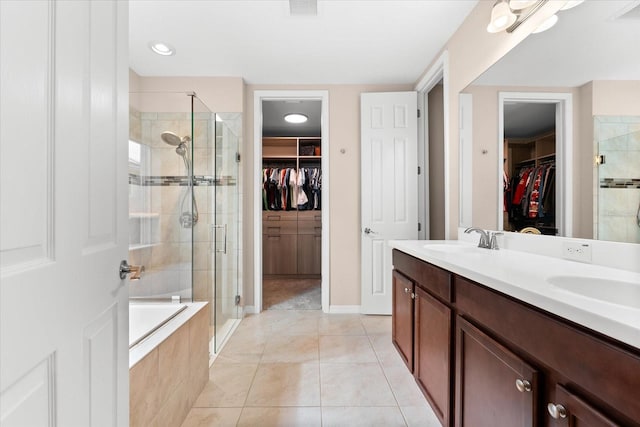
[144, 230]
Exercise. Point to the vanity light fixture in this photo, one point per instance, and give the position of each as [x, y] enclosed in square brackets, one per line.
[548, 23]
[570, 4]
[502, 17]
[162, 48]
[507, 15]
[295, 118]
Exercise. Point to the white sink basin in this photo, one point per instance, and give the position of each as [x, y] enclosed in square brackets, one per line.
[613, 291]
[451, 247]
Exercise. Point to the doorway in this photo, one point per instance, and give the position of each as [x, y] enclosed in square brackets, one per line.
[553, 148]
[291, 201]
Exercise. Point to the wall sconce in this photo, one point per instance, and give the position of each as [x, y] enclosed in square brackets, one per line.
[507, 15]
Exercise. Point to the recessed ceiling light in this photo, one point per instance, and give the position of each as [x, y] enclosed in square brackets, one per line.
[162, 48]
[295, 118]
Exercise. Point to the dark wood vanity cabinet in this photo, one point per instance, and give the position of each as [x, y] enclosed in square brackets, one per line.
[494, 387]
[483, 358]
[402, 319]
[428, 350]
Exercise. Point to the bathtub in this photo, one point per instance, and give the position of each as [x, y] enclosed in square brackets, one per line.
[150, 324]
[168, 360]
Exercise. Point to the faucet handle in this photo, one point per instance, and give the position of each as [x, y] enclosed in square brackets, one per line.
[493, 241]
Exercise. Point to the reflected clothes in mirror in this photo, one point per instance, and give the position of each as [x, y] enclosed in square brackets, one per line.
[291, 189]
[533, 199]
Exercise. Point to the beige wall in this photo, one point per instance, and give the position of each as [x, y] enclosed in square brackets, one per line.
[436, 163]
[471, 51]
[220, 94]
[616, 98]
[344, 191]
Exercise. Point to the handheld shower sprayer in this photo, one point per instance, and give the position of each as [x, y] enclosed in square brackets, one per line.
[187, 219]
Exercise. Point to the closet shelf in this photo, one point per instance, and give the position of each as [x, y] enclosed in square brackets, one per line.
[538, 158]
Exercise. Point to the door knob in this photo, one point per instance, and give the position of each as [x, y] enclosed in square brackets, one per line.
[135, 270]
[523, 385]
[368, 231]
[557, 411]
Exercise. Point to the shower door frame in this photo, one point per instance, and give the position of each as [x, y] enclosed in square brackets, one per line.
[283, 95]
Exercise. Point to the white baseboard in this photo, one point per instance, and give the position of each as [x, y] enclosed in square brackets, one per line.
[249, 309]
[344, 309]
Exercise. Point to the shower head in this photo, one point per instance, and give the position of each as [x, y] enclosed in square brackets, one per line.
[173, 139]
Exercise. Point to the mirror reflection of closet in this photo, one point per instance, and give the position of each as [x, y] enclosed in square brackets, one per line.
[529, 167]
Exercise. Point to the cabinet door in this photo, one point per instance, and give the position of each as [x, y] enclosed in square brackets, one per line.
[309, 254]
[402, 317]
[432, 352]
[569, 410]
[279, 254]
[494, 387]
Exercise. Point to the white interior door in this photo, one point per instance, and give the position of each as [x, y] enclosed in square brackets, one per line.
[63, 206]
[389, 188]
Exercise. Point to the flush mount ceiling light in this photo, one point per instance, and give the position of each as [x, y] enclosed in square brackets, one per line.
[521, 4]
[507, 15]
[295, 118]
[162, 48]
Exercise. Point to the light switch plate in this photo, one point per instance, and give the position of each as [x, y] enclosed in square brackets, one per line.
[576, 251]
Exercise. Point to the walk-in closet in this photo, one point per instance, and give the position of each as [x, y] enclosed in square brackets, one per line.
[291, 206]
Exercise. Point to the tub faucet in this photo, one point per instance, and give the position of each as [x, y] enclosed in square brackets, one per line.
[485, 240]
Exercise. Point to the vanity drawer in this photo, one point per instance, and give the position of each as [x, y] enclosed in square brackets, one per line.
[310, 215]
[427, 276]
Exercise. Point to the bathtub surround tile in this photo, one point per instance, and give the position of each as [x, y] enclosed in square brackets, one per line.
[143, 390]
[354, 384]
[277, 417]
[285, 384]
[173, 362]
[362, 416]
[198, 352]
[212, 417]
[176, 408]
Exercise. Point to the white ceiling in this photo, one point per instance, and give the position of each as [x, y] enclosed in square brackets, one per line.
[348, 42]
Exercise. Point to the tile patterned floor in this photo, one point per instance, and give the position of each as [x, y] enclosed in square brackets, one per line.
[306, 368]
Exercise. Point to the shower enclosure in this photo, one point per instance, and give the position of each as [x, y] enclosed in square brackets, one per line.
[183, 204]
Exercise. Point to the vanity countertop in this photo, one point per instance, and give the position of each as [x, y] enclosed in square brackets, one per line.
[525, 276]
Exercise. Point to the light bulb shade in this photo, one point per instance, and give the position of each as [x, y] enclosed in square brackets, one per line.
[521, 4]
[548, 23]
[501, 17]
[295, 118]
[162, 48]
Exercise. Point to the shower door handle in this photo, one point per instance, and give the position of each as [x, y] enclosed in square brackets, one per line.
[214, 228]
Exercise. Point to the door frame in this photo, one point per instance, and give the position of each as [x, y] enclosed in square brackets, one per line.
[564, 153]
[438, 71]
[281, 95]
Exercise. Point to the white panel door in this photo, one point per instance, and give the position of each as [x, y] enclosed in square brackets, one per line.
[389, 188]
[63, 213]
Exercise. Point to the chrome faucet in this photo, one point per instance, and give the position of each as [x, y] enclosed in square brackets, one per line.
[488, 240]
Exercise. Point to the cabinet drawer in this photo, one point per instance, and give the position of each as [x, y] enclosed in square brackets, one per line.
[279, 215]
[310, 227]
[427, 276]
[310, 215]
[277, 228]
[279, 254]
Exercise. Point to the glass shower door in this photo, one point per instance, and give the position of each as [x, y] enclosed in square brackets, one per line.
[226, 228]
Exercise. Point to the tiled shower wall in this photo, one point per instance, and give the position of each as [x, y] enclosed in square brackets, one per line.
[617, 199]
[165, 247]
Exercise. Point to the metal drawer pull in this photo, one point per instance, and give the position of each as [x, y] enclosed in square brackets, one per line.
[523, 385]
[406, 290]
[557, 411]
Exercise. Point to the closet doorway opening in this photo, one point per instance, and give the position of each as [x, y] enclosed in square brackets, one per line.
[535, 162]
[291, 222]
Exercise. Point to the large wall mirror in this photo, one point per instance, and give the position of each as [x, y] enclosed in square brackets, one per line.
[560, 112]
